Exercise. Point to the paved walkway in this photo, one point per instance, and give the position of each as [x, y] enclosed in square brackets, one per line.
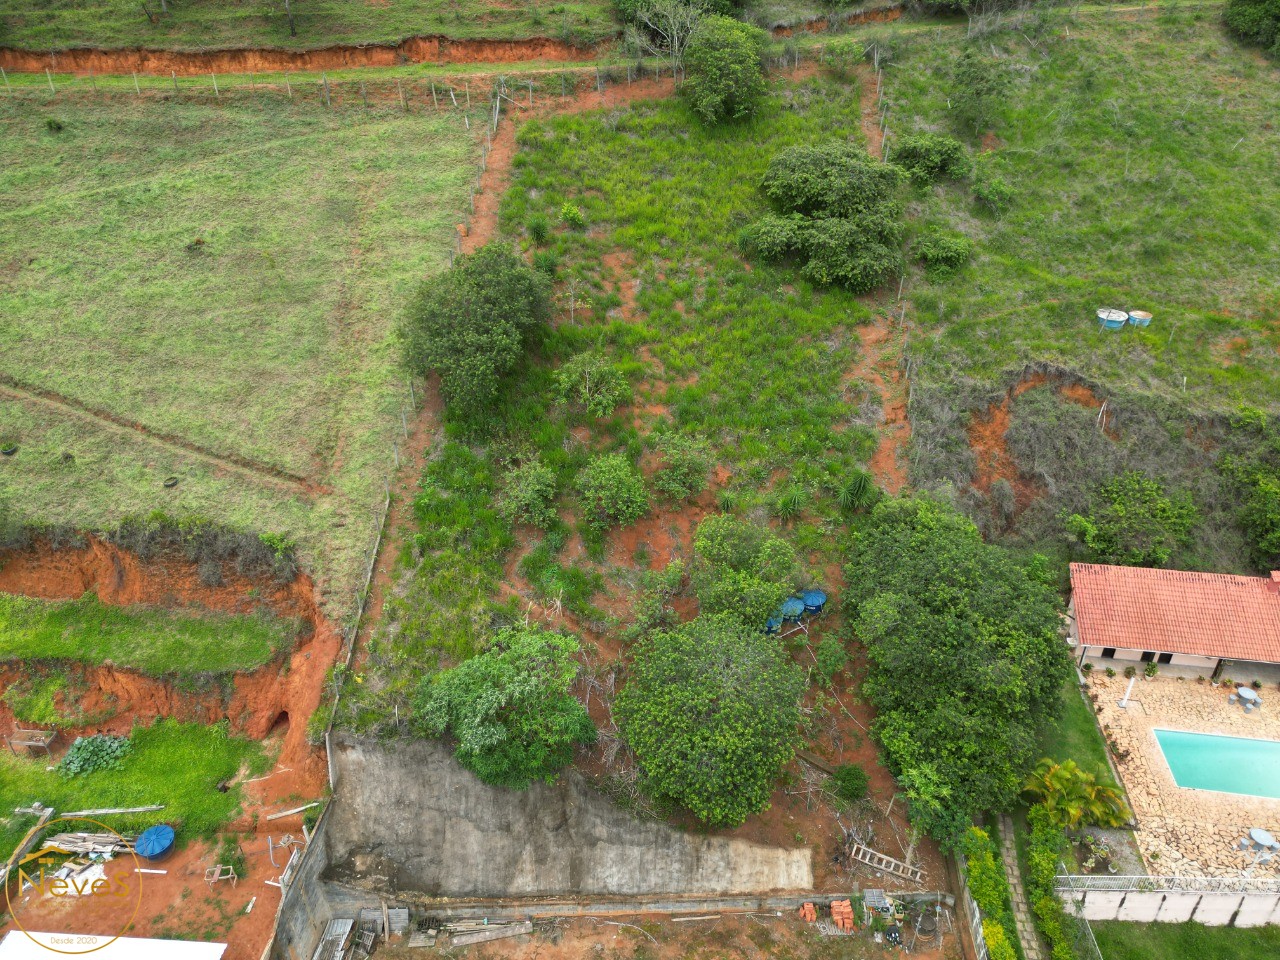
[1021, 909]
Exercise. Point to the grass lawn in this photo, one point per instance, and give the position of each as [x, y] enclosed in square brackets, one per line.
[152, 640]
[179, 765]
[219, 24]
[227, 274]
[1075, 735]
[1184, 941]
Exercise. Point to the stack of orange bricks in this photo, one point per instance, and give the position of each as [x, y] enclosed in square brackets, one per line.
[808, 913]
[842, 915]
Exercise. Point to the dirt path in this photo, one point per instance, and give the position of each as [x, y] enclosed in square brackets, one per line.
[869, 101]
[68, 406]
[188, 63]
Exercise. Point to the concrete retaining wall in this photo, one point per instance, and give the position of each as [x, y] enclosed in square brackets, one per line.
[1254, 909]
[304, 908]
[409, 817]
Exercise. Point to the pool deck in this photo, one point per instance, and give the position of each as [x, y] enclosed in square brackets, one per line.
[1185, 831]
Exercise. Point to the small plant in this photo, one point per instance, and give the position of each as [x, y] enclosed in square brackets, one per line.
[571, 215]
[98, 752]
[929, 157]
[831, 657]
[791, 501]
[1130, 672]
[546, 261]
[993, 193]
[857, 492]
[1087, 667]
[1111, 671]
[1257, 684]
[612, 492]
[943, 253]
[686, 461]
[529, 495]
[1150, 670]
[589, 379]
[851, 782]
[53, 125]
[539, 228]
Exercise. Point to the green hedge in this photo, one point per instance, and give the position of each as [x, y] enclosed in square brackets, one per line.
[1044, 852]
[990, 890]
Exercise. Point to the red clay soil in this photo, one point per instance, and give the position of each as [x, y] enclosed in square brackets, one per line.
[177, 903]
[879, 367]
[868, 100]
[188, 63]
[259, 698]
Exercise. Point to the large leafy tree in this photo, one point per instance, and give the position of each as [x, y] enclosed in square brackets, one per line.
[965, 660]
[724, 69]
[711, 710]
[1257, 21]
[1132, 521]
[473, 323]
[510, 708]
[1073, 797]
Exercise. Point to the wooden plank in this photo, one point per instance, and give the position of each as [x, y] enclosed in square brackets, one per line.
[491, 933]
[289, 813]
[816, 762]
[98, 813]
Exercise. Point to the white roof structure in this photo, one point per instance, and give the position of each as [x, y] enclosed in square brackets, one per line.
[36, 946]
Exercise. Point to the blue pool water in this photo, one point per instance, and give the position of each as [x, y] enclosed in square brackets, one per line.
[1206, 761]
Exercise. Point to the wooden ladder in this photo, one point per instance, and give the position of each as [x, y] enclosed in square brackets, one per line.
[880, 862]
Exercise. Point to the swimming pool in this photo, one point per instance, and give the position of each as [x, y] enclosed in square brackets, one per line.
[1207, 761]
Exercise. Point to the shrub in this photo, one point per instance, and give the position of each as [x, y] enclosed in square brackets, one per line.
[979, 84]
[539, 229]
[724, 67]
[547, 262]
[1133, 522]
[791, 501]
[1255, 21]
[858, 491]
[840, 252]
[612, 492]
[592, 382]
[510, 709]
[835, 179]
[1074, 798]
[998, 945]
[993, 192]
[773, 237]
[571, 215]
[928, 157]
[711, 710]
[529, 494]
[1044, 851]
[686, 461]
[832, 658]
[473, 323]
[851, 782]
[740, 569]
[90, 754]
[987, 884]
[943, 253]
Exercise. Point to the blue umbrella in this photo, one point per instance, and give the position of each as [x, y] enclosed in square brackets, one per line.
[155, 843]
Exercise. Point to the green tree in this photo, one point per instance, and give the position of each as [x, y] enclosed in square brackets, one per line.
[979, 84]
[686, 460]
[612, 492]
[724, 69]
[929, 157]
[472, 324]
[740, 569]
[711, 710]
[964, 655]
[837, 179]
[1133, 522]
[510, 708]
[1073, 798]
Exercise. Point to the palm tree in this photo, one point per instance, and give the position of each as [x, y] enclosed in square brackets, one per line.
[1075, 797]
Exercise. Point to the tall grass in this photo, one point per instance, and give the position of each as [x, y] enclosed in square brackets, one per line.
[178, 765]
[151, 640]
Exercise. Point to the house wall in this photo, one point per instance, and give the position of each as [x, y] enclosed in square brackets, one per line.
[1188, 665]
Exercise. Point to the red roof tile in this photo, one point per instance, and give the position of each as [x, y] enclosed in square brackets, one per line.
[1176, 611]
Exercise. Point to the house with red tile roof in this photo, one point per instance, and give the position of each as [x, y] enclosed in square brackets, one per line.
[1206, 623]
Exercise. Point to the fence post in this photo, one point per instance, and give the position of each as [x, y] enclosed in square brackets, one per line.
[287, 86]
[434, 99]
[328, 102]
[530, 94]
[467, 85]
[6, 80]
[400, 89]
[364, 95]
[48, 76]
[215, 85]
[136, 88]
[174, 75]
[93, 82]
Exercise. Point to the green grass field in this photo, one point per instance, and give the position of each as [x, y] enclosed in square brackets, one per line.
[226, 275]
[151, 640]
[1184, 941]
[1075, 735]
[218, 24]
[178, 765]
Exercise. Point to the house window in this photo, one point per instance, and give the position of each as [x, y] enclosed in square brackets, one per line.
[1165, 658]
[1108, 653]
[1147, 656]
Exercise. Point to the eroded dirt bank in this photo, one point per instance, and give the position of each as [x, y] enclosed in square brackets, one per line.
[279, 696]
[187, 63]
